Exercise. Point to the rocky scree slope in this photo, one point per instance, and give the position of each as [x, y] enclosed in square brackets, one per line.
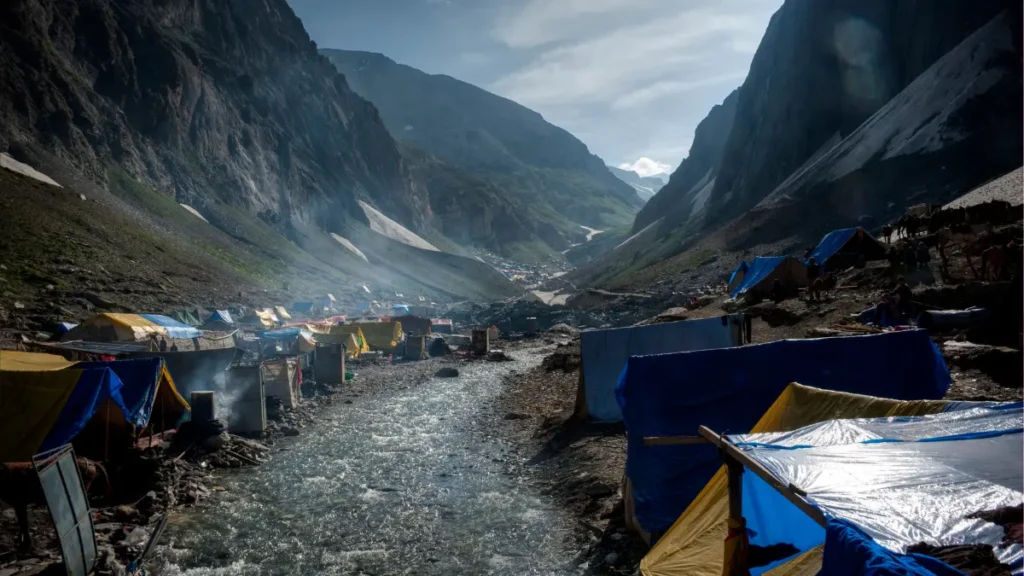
[227, 107]
[546, 170]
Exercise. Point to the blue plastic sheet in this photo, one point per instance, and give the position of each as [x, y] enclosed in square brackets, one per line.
[93, 389]
[605, 353]
[730, 389]
[830, 244]
[139, 381]
[760, 268]
[741, 269]
[174, 328]
[850, 552]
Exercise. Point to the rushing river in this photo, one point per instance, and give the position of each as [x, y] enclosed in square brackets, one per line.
[399, 483]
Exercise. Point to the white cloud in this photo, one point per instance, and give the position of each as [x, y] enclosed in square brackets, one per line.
[630, 66]
[646, 167]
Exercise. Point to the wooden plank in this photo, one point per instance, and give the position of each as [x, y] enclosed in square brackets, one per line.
[674, 440]
[788, 491]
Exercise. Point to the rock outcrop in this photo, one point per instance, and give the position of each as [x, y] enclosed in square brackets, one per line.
[559, 183]
[687, 191]
[646, 186]
[822, 69]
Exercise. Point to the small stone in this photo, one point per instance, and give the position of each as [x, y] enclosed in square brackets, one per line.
[290, 430]
[517, 416]
[599, 490]
[611, 559]
[125, 513]
[447, 372]
[616, 537]
[19, 305]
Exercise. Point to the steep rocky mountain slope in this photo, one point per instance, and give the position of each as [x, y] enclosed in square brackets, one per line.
[646, 186]
[842, 117]
[688, 189]
[542, 167]
[226, 107]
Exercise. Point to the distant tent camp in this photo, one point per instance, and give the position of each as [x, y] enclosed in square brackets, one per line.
[219, 320]
[381, 335]
[764, 270]
[111, 327]
[841, 249]
[870, 488]
[47, 408]
[737, 276]
[730, 388]
[605, 353]
[261, 317]
[695, 544]
[349, 335]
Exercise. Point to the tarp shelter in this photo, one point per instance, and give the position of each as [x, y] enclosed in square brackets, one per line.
[147, 390]
[843, 248]
[114, 327]
[695, 544]
[764, 270]
[730, 388]
[441, 325]
[45, 409]
[737, 276]
[381, 335]
[417, 325]
[605, 353]
[292, 340]
[15, 361]
[219, 320]
[881, 485]
[281, 379]
[348, 335]
[64, 327]
[188, 317]
[399, 309]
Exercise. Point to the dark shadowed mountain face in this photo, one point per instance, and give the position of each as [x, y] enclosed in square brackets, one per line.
[824, 67]
[228, 107]
[546, 169]
[211, 100]
[688, 189]
[646, 186]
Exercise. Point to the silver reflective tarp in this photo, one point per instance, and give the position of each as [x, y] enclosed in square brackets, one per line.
[907, 480]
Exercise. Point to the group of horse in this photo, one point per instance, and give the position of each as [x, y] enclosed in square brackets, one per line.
[998, 251]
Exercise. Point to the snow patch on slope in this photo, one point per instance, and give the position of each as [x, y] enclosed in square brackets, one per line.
[348, 245]
[26, 170]
[195, 212]
[385, 226]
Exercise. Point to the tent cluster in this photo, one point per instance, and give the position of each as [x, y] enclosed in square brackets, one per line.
[837, 250]
[820, 489]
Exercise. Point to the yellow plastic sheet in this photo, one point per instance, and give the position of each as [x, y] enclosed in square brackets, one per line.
[30, 403]
[349, 335]
[695, 544]
[15, 361]
[381, 335]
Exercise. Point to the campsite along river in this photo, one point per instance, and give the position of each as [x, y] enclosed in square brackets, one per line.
[403, 482]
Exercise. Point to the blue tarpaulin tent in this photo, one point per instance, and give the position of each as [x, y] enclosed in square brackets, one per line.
[764, 270]
[850, 242]
[94, 387]
[141, 381]
[737, 275]
[221, 316]
[730, 388]
[884, 484]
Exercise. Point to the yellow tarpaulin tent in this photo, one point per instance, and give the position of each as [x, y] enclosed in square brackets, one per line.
[15, 361]
[349, 335]
[381, 335]
[31, 400]
[695, 544]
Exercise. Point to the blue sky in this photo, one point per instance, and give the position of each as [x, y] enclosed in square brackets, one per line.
[630, 78]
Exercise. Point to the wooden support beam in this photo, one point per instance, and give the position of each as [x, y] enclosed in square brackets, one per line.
[674, 440]
[790, 492]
